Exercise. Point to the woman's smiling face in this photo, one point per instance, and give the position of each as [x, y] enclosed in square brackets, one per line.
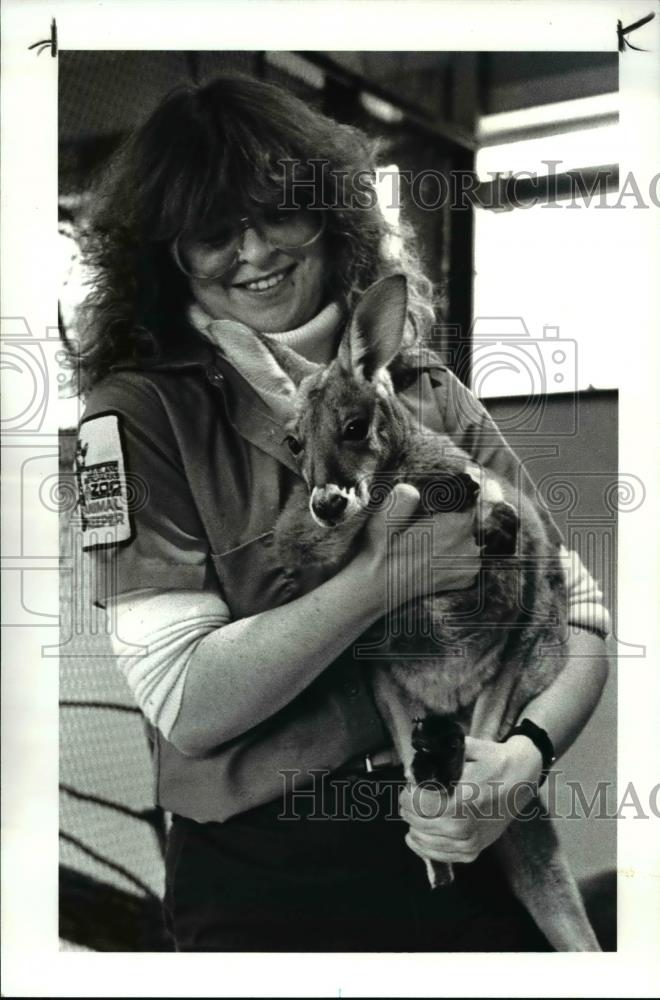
[268, 289]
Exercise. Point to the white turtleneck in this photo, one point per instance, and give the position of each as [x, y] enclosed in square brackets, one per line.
[314, 340]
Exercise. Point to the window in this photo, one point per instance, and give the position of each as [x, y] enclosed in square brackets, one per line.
[547, 306]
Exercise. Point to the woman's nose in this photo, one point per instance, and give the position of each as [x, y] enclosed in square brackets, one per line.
[254, 248]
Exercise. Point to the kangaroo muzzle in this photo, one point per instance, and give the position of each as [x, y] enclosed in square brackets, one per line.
[332, 504]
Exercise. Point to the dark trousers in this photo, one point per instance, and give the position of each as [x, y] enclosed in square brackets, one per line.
[347, 883]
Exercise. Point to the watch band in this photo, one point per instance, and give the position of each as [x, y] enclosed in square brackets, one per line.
[541, 741]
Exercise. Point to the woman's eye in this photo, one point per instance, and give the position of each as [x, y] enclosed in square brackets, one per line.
[218, 242]
[294, 444]
[356, 430]
[274, 218]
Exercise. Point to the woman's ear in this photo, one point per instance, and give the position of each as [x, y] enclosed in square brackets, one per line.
[375, 331]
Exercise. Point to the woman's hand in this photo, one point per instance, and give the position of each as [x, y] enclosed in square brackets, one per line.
[498, 780]
[425, 557]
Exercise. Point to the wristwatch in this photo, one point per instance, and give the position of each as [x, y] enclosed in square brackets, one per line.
[541, 741]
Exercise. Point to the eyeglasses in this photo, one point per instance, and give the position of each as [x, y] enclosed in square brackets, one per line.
[213, 257]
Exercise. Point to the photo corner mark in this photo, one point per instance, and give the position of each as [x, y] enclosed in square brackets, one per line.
[621, 32]
[47, 43]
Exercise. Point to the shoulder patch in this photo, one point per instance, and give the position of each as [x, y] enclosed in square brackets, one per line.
[100, 470]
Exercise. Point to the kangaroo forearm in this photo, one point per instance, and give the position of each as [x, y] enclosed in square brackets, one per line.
[565, 707]
[246, 671]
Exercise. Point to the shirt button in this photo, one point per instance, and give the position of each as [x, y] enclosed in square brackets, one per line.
[214, 376]
[351, 688]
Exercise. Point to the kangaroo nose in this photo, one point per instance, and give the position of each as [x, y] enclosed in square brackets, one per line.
[329, 505]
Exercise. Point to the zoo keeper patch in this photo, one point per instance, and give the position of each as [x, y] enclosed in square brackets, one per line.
[100, 471]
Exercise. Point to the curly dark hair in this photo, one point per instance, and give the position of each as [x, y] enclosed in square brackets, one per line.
[203, 154]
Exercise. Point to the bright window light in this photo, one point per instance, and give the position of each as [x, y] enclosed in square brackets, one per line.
[549, 313]
[561, 114]
[594, 147]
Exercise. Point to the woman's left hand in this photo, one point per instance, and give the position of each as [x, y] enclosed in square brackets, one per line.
[498, 780]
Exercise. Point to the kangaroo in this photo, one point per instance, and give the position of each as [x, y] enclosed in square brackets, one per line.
[354, 438]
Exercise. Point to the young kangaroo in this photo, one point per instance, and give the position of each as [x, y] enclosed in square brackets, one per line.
[354, 438]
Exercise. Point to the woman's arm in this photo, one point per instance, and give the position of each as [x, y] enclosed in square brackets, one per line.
[565, 707]
[244, 672]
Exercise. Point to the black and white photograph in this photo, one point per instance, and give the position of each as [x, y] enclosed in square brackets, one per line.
[330, 478]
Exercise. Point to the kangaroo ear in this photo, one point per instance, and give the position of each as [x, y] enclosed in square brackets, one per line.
[293, 364]
[375, 331]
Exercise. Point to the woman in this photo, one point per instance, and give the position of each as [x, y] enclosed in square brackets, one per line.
[261, 717]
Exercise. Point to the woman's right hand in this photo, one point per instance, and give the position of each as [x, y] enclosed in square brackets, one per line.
[422, 556]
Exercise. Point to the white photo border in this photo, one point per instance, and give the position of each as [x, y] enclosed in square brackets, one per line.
[33, 964]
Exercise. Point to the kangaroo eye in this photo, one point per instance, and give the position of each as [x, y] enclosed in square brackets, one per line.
[294, 444]
[356, 430]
